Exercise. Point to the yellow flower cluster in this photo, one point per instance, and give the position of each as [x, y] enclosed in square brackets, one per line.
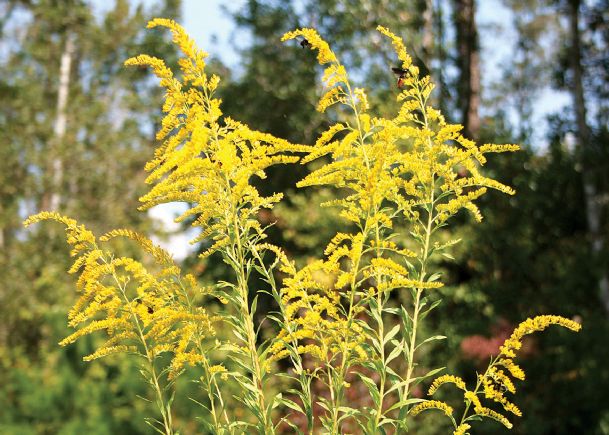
[335, 75]
[511, 367]
[205, 160]
[324, 54]
[494, 386]
[398, 160]
[314, 317]
[400, 49]
[539, 323]
[462, 429]
[489, 413]
[495, 382]
[414, 166]
[142, 312]
[411, 162]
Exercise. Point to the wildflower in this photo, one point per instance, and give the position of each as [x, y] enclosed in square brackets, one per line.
[462, 429]
[120, 296]
[431, 404]
[495, 382]
[539, 323]
[486, 412]
[206, 160]
[438, 382]
[324, 54]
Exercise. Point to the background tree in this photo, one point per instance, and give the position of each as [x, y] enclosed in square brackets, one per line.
[587, 144]
[467, 59]
[76, 127]
[538, 253]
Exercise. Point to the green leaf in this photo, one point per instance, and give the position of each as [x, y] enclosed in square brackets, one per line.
[429, 374]
[279, 400]
[447, 255]
[406, 321]
[427, 340]
[404, 403]
[372, 389]
[431, 307]
[254, 306]
[397, 350]
[436, 276]
[391, 334]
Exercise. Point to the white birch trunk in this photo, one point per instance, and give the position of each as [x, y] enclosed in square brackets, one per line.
[59, 127]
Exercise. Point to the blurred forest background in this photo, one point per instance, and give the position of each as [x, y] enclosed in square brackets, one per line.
[76, 128]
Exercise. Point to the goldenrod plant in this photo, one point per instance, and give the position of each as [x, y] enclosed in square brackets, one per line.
[353, 315]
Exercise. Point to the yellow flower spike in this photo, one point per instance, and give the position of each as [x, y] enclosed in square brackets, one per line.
[510, 407]
[431, 404]
[445, 379]
[501, 378]
[362, 100]
[535, 324]
[462, 429]
[105, 351]
[495, 382]
[184, 42]
[511, 367]
[207, 160]
[333, 75]
[135, 298]
[331, 97]
[399, 47]
[324, 54]
[473, 399]
[486, 412]
[161, 255]
[158, 66]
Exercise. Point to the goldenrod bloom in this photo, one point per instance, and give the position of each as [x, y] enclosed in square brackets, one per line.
[142, 312]
[462, 429]
[431, 404]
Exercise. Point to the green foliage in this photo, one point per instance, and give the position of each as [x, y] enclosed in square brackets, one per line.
[44, 389]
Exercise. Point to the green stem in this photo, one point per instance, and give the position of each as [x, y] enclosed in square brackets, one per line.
[210, 382]
[294, 356]
[422, 272]
[210, 395]
[478, 384]
[245, 314]
[381, 336]
[337, 395]
[333, 397]
[154, 381]
[248, 320]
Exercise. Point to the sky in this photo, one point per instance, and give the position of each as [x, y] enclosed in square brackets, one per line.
[212, 28]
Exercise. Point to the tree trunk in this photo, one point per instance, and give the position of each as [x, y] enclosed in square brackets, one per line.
[59, 127]
[584, 138]
[428, 39]
[468, 63]
[2, 231]
[441, 55]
